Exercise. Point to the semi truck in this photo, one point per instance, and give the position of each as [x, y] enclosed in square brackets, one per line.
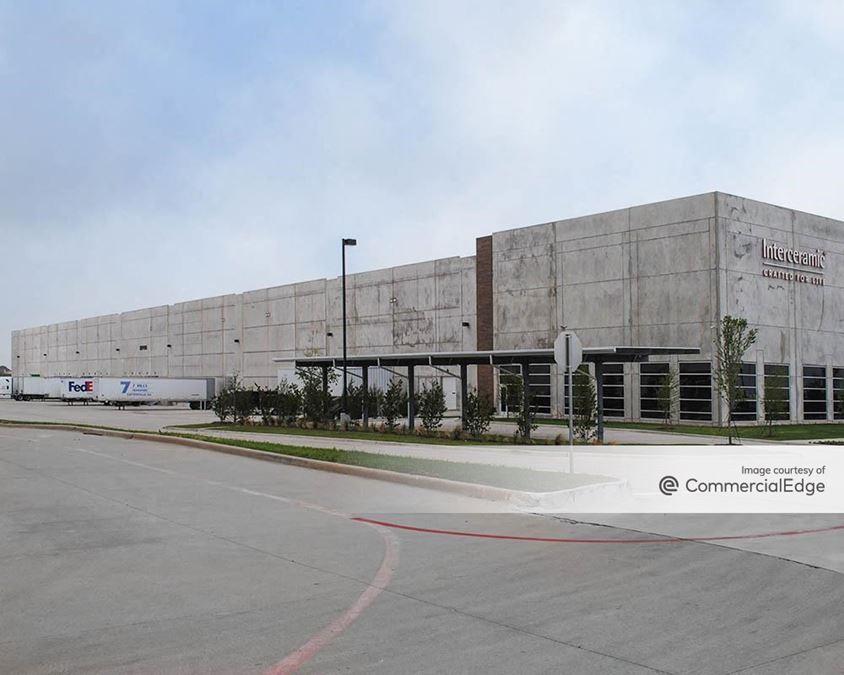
[122, 391]
[5, 387]
[119, 391]
[28, 387]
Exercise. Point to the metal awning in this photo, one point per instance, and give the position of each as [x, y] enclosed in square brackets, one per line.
[494, 357]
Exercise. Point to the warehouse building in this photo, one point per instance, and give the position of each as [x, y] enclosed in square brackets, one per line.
[660, 274]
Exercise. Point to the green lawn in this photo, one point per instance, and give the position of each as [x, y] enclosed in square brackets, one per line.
[781, 432]
[497, 476]
[358, 435]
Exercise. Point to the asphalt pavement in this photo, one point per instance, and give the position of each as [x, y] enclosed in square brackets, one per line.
[124, 556]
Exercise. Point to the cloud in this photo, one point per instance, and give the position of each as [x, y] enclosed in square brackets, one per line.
[162, 151]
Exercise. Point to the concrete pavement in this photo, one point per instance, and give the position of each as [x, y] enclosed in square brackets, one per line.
[124, 556]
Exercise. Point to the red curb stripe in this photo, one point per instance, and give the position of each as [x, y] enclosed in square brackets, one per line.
[568, 540]
[307, 651]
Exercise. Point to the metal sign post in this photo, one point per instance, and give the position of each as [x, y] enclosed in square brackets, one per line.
[568, 352]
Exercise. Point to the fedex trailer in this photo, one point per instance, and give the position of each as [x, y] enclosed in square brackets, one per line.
[5, 387]
[83, 389]
[123, 391]
[28, 387]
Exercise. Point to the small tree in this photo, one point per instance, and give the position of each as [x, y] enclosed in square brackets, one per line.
[513, 396]
[731, 342]
[430, 404]
[478, 414]
[667, 395]
[289, 401]
[585, 404]
[394, 404]
[316, 400]
[775, 402]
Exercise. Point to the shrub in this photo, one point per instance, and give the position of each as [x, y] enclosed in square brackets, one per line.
[585, 405]
[394, 404]
[222, 405]
[289, 401]
[267, 403]
[512, 394]
[478, 414]
[354, 400]
[525, 418]
[668, 394]
[235, 402]
[431, 407]
[375, 401]
[316, 403]
[244, 404]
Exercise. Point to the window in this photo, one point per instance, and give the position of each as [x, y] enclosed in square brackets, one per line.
[778, 384]
[613, 399]
[142, 348]
[539, 381]
[539, 384]
[814, 393]
[695, 391]
[745, 408]
[838, 392]
[650, 380]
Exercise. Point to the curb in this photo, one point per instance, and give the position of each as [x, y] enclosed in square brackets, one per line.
[560, 500]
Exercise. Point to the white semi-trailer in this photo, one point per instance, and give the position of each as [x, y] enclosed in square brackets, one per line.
[27, 387]
[123, 391]
[83, 389]
[5, 387]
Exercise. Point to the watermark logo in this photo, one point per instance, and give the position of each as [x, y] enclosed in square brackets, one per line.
[668, 485]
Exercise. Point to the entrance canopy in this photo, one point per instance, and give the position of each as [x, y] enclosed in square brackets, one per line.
[494, 357]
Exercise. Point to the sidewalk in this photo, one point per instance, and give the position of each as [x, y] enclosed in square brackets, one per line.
[606, 460]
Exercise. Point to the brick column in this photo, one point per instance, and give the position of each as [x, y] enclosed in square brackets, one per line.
[483, 285]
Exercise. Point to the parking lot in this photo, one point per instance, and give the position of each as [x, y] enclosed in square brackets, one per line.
[125, 556]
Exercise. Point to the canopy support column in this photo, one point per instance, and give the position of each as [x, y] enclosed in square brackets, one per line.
[325, 392]
[599, 390]
[525, 399]
[411, 400]
[464, 394]
[365, 396]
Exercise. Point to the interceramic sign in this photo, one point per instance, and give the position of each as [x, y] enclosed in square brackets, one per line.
[793, 264]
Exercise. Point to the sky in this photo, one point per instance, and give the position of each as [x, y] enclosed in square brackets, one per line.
[160, 151]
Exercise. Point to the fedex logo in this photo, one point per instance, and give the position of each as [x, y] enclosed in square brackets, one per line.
[86, 386]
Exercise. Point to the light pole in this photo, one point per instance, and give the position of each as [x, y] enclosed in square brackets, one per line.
[346, 242]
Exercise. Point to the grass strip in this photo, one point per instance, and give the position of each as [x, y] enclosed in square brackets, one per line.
[779, 432]
[513, 478]
[385, 437]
